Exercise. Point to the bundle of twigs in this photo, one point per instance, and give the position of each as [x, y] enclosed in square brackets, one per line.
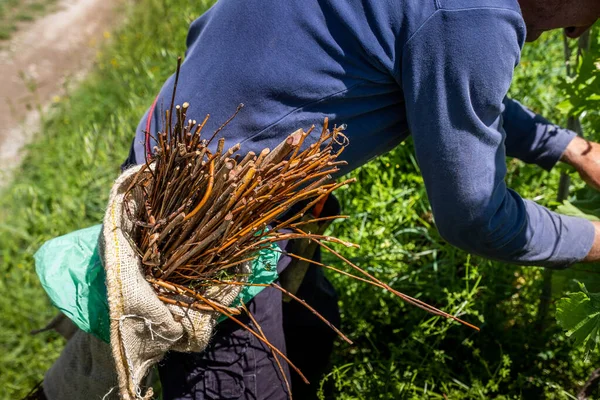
[207, 212]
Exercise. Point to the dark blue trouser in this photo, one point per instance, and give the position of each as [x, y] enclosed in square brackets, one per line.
[236, 365]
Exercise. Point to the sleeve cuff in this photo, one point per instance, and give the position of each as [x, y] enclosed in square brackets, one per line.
[555, 148]
[579, 238]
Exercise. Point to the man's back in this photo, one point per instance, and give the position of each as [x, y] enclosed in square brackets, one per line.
[294, 63]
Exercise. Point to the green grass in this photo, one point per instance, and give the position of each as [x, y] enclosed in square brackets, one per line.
[64, 182]
[400, 351]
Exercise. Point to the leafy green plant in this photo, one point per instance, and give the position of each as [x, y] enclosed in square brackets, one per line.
[582, 91]
[579, 315]
[578, 312]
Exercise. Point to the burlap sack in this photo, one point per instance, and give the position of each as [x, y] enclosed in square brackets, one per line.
[142, 327]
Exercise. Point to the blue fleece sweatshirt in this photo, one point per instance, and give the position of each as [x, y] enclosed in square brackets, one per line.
[436, 69]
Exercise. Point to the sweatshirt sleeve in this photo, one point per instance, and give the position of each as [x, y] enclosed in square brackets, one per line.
[456, 70]
[531, 138]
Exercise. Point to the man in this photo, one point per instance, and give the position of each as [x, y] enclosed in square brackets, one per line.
[436, 69]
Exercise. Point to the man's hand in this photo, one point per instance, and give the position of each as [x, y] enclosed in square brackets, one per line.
[584, 156]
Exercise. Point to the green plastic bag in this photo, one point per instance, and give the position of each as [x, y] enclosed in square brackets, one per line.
[71, 272]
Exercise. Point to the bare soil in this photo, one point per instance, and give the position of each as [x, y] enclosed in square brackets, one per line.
[37, 64]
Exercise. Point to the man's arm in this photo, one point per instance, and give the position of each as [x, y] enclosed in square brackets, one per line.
[456, 71]
[532, 138]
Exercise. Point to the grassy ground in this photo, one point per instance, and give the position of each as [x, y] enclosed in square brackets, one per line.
[14, 12]
[401, 352]
[63, 183]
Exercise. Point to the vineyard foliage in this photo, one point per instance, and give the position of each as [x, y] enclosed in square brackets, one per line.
[579, 312]
[582, 91]
[400, 352]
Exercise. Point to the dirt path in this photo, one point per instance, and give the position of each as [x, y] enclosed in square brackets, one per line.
[37, 63]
